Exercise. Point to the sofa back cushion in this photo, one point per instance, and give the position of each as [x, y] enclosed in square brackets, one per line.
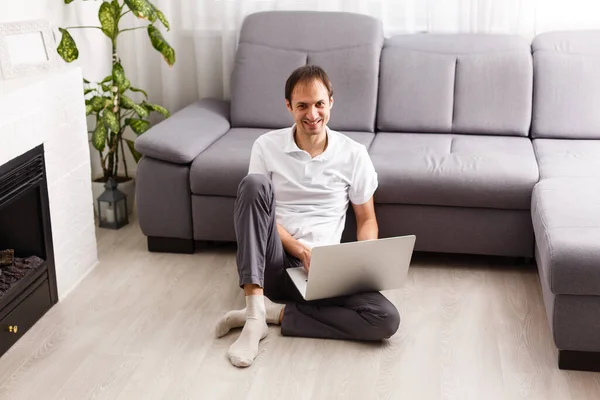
[567, 85]
[272, 44]
[459, 83]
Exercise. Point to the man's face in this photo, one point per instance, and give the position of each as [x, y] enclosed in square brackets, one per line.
[310, 107]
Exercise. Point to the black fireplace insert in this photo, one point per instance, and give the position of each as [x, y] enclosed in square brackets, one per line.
[27, 272]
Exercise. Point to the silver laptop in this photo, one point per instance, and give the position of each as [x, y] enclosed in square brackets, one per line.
[355, 267]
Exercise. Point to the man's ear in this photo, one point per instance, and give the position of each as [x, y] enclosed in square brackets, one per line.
[288, 105]
[331, 102]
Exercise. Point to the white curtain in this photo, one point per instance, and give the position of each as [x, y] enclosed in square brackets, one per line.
[204, 34]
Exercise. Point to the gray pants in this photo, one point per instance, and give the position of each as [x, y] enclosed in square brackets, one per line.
[262, 260]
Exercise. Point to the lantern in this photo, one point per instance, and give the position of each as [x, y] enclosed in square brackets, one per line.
[112, 206]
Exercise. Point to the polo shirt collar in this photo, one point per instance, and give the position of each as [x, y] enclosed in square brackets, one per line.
[292, 147]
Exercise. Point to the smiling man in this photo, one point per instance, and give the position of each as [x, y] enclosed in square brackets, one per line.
[295, 197]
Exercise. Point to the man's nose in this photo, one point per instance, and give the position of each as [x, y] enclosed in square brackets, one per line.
[313, 113]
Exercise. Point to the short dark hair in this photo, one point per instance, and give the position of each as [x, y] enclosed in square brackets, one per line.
[305, 74]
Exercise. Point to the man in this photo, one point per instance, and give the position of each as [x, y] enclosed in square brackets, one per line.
[295, 197]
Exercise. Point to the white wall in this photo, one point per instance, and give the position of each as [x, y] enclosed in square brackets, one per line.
[11, 10]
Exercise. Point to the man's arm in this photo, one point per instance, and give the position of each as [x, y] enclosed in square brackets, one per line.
[366, 221]
[294, 247]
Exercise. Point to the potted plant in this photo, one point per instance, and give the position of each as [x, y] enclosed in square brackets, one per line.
[111, 100]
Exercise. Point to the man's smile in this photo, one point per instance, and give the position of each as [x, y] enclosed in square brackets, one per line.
[312, 124]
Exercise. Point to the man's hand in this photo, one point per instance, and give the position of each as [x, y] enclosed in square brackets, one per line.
[294, 247]
[304, 256]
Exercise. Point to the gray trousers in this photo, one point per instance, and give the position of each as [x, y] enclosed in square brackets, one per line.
[262, 260]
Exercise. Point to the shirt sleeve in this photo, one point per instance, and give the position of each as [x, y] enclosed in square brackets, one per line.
[258, 164]
[364, 178]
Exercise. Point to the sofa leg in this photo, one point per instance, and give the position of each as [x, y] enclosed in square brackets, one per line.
[170, 245]
[579, 360]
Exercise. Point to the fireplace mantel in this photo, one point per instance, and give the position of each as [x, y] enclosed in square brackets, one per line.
[49, 109]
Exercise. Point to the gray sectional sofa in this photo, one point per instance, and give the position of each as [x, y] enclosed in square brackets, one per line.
[484, 144]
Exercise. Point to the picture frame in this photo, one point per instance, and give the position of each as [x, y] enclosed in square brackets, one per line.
[26, 48]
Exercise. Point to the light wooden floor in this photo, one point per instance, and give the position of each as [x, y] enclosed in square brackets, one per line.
[140, 326]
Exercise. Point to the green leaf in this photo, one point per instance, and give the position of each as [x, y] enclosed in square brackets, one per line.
[161, 17]
[139, 126]
[136, 155]
[142, 9]
[125, 86]
[85, 81]
[116, 7]
[160, 44]
[139, 91]
[97, 103]
[99, 136]
[110, 120]
[68, 1]
[86, 91]
[67, 48]
[107, 79]
[108, 20]
[118, 75]
[105, 87]
[141, 111]
[88, 109]
[126, 102]
[157, 108]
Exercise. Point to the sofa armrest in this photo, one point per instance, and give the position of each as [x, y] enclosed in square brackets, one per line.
[187, 133]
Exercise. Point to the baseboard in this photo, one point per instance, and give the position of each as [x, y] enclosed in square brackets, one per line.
[170, 245]
[579, 360]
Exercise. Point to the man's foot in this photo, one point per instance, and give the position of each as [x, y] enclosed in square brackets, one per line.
[237, 318]
[243, 351]
[233, 319]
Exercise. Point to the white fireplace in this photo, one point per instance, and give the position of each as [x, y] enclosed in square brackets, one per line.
[49, 109]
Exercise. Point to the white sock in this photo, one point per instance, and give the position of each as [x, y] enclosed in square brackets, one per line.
[243, 351]
[237, 318]
[273, 311]
[233, 319]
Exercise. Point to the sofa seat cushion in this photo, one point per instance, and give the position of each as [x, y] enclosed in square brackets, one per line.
[454, 170]
[219, 169]
[566, 222]
[564, 158]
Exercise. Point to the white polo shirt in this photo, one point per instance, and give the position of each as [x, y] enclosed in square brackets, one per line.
[312, 194]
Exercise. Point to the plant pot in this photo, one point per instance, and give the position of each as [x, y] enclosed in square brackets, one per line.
[127, 187]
